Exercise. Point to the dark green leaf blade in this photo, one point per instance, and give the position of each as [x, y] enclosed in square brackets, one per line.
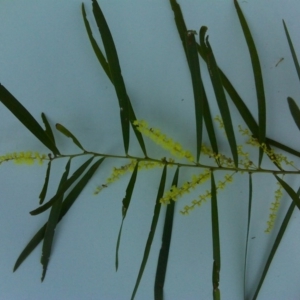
[289, 190]
[96, 48]
[259, 85]
[248, 228]
[283, 147]
[67, 204]
[51, 224]
[69, 134]
[23, 115]
[222, 102]
[194, 67]
[48, 129]
[126, 203]
[165, 246]
[63, 189]
[276, 245]
[216, 239]
[115, 71]
[45, 186]
[295, 111]
[152, 230]
[296, 63]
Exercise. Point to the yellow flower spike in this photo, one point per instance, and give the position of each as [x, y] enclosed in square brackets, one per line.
[161, 139]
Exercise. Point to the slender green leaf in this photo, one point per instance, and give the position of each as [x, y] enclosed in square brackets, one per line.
[295, 111]
[63, 188]
[51, 224]
[96, 48]
[296, 63]
[45, 186]
[23, 115]
[165, 247]
[68, 202]
[180, 24]
[248, 228]
[105, 67]
[283, 147]
[69, 134]
[221, 100]
[216, 239]
[289, 190]
[152, 230]
[261, 102]
[276, 245]
[193, 60]
[126, 203]
[115, 71]
[48, 129]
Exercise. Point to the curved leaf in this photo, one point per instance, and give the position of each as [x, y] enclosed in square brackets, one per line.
[45, 186]
[276, 245]
[221, 100]
[51, 224]
[165, 246]
[115, 71]
[48, 129]
[152, 230]
[194, 65]
[23, 115]
[296, 63]
[295, 111]
[69, 134]
[126, 203]
[97, 50]
[261, 102]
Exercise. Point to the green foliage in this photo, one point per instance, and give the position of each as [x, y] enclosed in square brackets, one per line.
[70, 187]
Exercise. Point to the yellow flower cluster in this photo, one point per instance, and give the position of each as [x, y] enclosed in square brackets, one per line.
[118, 172]
[27, 158]
[274, 208]
[277, 158]
[228, 178]
[161, 139]
[174, 193]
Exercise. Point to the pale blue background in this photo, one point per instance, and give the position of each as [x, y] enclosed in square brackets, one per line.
[47, 62]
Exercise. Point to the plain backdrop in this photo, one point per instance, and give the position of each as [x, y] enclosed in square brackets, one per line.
[47, 63]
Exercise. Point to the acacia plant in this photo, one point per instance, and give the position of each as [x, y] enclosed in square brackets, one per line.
[205, 160]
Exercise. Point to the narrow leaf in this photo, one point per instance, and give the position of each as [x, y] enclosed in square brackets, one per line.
[216, 239]
[45, 186]
[69, 134]
[248, 228]
[105, 67]
[165, 247]
[96, 48]
[276, 245]
[152, 230]
[48, 129]
[51, 225]
[126, 203]
[289, 190]
[68, 202]
[63, 189]
[295, 111]
[283, 147]
[259, 85]
[296, 63]
[115, 71]
[194, 65]
[221, 100]
[23, 115]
